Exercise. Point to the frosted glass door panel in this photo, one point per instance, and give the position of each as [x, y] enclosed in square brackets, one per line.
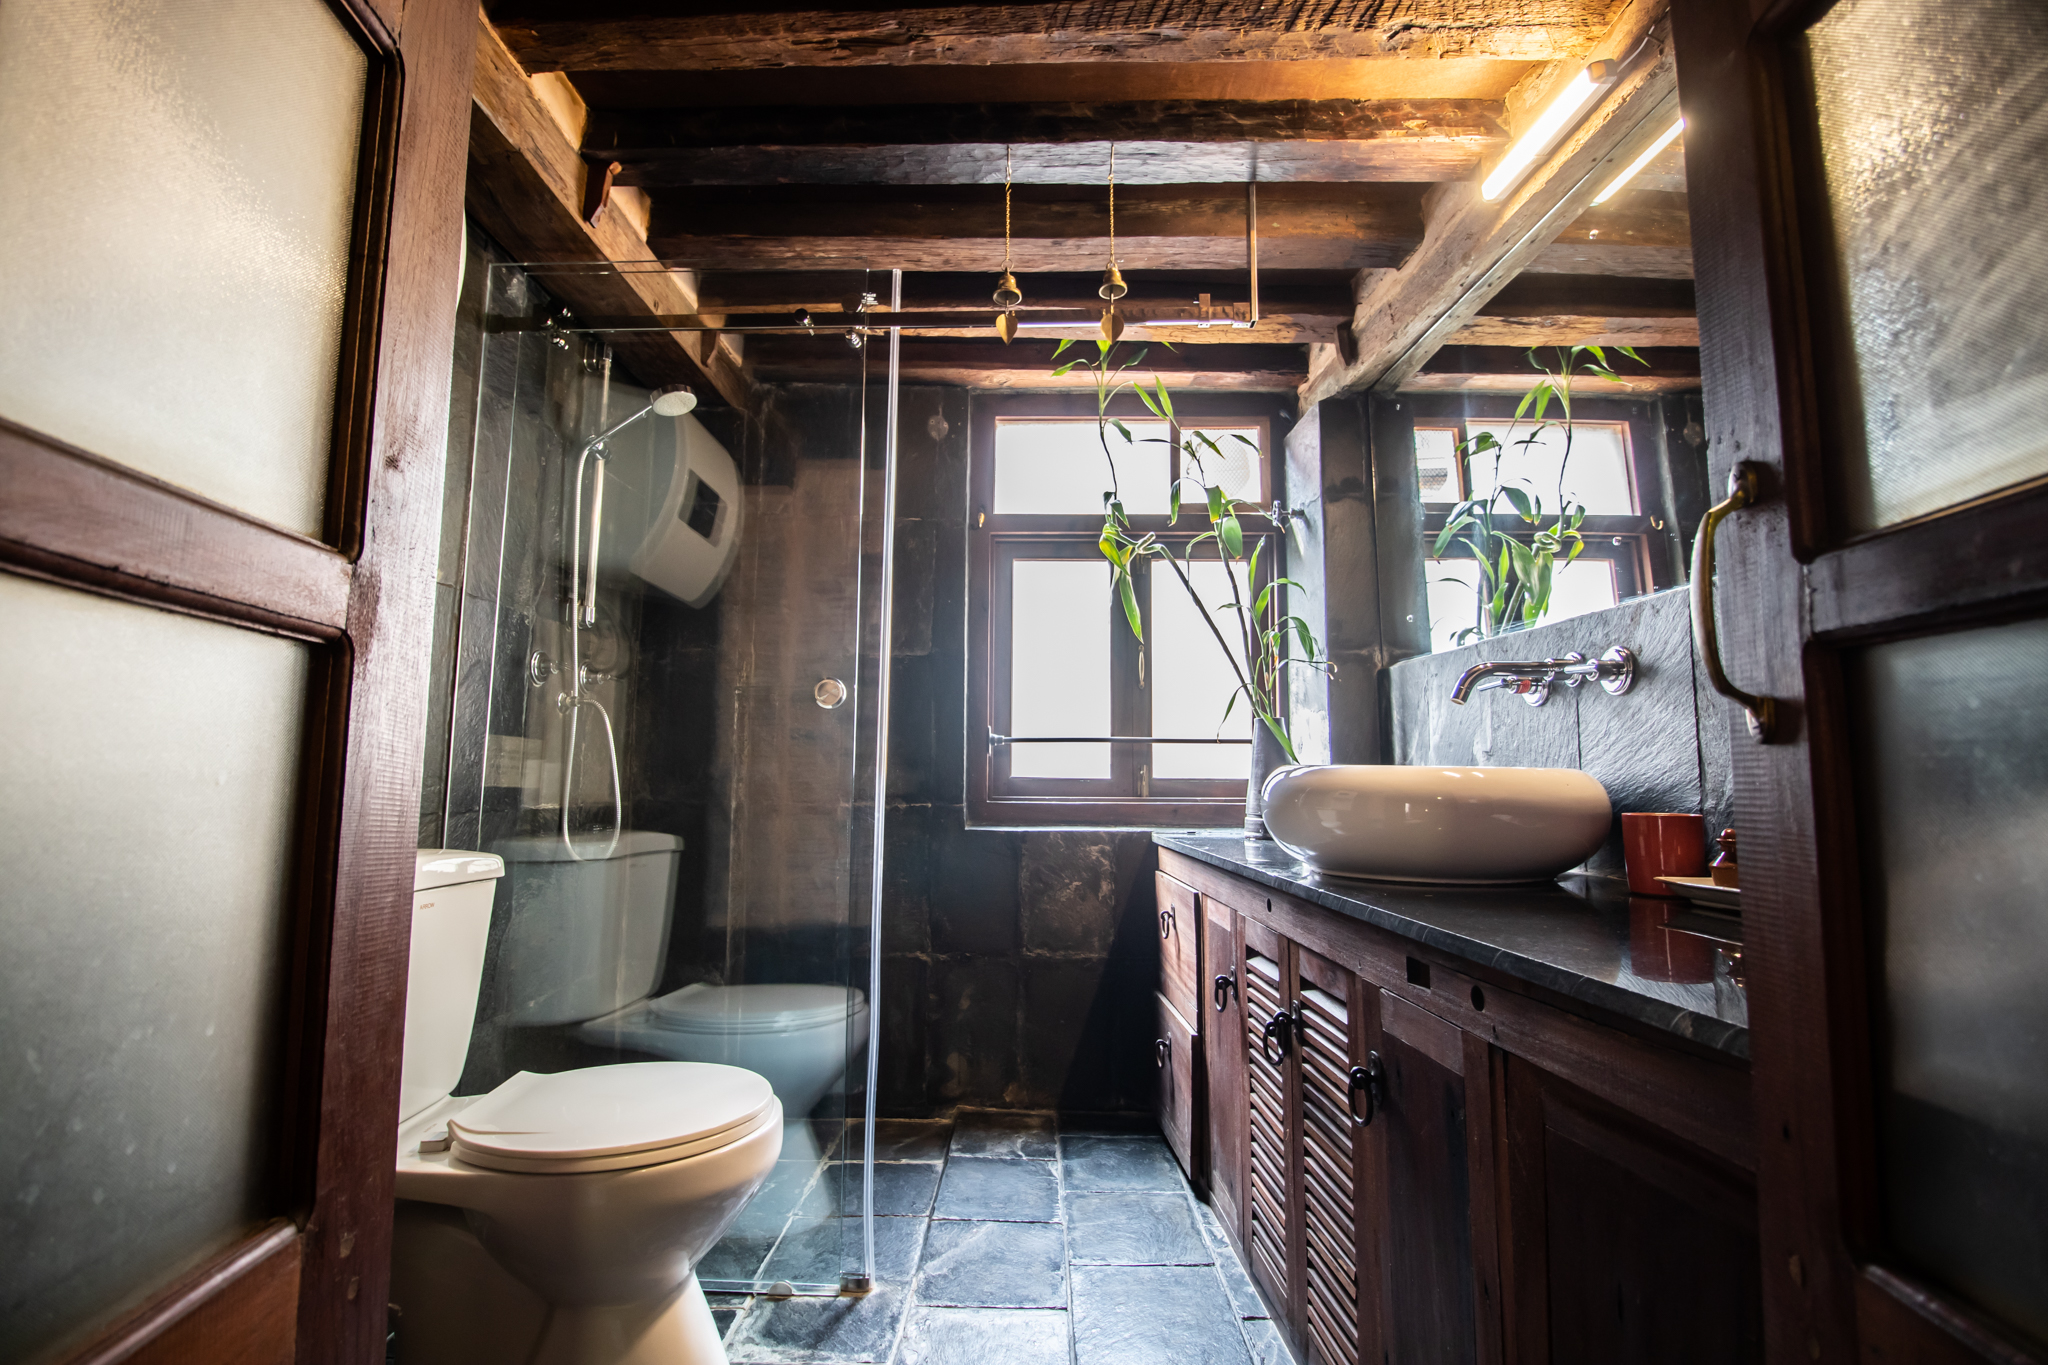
[1060, 468]
[1933, 128]
[176, 185]
[1955, 786]
[1059, 665]
[152, 764]
[1191, 680]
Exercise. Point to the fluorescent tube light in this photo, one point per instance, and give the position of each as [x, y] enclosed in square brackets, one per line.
[1616, 185]
[1543, 134]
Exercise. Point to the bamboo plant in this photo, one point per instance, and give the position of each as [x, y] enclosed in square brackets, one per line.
[1256, 640]
[1515, 551]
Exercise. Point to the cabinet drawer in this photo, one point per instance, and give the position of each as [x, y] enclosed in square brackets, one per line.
[1173, 1052]
[1180, 936]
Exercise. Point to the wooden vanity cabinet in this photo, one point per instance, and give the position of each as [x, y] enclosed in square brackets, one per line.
[1417, 1164]
[1177, 1045]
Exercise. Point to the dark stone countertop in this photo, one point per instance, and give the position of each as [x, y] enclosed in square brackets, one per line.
[1646, 958]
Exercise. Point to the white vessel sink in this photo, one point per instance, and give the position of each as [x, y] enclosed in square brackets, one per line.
[1459, 826]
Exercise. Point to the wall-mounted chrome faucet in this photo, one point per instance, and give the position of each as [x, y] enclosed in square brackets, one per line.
[1615, 671]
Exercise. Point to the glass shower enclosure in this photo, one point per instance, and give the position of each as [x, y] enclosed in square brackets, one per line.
[663, 702]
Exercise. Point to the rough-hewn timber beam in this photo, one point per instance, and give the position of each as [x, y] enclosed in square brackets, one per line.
[1091, 31]
[1162, 143]
[1306, 227]
[1473, 247]
[526, 183]
[1506, 369]
[1601, 310]
[1029, 364]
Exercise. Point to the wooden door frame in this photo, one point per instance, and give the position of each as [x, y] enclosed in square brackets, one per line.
[1828, 1293]
[311, 1283]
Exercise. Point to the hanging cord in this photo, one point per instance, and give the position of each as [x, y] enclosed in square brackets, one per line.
[1112, 205]
[1006, 210]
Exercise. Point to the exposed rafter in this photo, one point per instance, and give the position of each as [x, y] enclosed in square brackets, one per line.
[1029, 364]
[1506, 369]
[1091, 31]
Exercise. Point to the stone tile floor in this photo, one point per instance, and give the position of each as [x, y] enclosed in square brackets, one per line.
[1007, 1239]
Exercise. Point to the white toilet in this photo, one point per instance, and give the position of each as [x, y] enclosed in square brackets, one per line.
[585, 941]
[586, 1197]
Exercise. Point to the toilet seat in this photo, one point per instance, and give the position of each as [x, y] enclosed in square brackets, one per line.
[753, 1008]
[610, 1118]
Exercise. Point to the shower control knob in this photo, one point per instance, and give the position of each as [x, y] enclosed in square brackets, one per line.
[830, 693]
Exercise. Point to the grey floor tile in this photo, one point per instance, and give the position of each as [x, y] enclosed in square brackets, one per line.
[907, 1139]
[1263, 1340]
[792, 1185]
[999, 1188]
[841, 1331]
[1004, 1132]
[1134, 1228]
[1119, 1125]
[902, 1187]
[1118, 1163]
[1153, 1315]
[818, 1253]
[737, 1256]
[984, 1336]
[993, 1265]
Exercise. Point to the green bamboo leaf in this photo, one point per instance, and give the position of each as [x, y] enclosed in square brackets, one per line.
[1173, 503]
[1130, 598]
[1252, 574]
[1215, 504]
[1308, 640]
[1521, 502]
[1286, 745]
[1233, 535]
[1121, 429]
[1525, 561]
[1103, 347]
[1165, 402]
[1140, 389]
[1064, 343]
[1064, 368]
[1630, 352]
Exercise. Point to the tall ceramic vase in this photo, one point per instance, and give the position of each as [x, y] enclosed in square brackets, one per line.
[1267, 758]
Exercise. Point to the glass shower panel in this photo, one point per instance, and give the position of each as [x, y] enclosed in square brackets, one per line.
[145, 927]
[202, 154]
[662, 710]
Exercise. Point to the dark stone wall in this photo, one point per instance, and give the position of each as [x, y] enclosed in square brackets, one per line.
[1661, 746]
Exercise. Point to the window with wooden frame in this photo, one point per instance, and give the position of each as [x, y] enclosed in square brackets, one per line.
[1638, 493]
[1071, 718]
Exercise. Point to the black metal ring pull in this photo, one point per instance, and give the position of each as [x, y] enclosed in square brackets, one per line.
[1279, 1031]
[1367, 1079]
[1224, 988]
[1166, 923]
[1162, 1049]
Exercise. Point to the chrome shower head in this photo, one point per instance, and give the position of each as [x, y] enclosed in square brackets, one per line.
[673, 400]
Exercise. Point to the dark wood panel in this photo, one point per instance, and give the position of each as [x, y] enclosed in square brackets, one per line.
[1223, 1061]
[1213, 31]
[1180, 944]
[72, 516]
[237, 1309]
[1179, 1090]
[1428, 1230]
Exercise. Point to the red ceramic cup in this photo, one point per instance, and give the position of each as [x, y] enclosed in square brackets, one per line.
[1662, 845]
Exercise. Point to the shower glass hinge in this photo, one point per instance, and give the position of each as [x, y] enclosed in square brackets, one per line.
[851, 1283]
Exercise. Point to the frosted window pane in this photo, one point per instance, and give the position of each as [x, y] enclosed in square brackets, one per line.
[148, 810]
[1582, 586]
[1933, 134]
[176, 183]
[1059, 665]
[1436, 464]
[1955, 783]
[1595, 473]
[1058, 468]
[1232, 466]
[1191, 680]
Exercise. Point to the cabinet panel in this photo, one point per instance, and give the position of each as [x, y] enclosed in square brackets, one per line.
[1174, 1054]
[1180, 939]
[1223, 1061]
[1428, 1227]
[1330, 1178]
[1267, 1029]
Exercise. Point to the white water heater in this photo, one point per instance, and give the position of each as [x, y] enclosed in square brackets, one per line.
[693, 531]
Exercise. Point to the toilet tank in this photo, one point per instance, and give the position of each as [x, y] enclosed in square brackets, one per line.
[451, 921]
[587, 934]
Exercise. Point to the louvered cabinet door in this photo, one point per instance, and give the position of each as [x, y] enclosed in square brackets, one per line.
[1330, 1176]
[1269, 1066]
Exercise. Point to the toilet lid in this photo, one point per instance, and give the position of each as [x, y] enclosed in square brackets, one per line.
[611, 1117]
[753, 1009]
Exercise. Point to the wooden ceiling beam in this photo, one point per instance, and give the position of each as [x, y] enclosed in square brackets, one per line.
[1053, 228]
[1473, 247]
[1506, 369]
[1575, 310]
[526, 187]
[1161, 143]
[1089, 31]
[1029, 364]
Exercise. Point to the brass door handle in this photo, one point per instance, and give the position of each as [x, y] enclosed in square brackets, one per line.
[1743, 484]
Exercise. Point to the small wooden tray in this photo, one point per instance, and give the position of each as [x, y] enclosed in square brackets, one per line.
[1702, 891]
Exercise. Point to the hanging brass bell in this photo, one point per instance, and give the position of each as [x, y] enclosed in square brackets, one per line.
[1008, 295]
[1006, 327]
[1113, 286]
[1112, 324]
